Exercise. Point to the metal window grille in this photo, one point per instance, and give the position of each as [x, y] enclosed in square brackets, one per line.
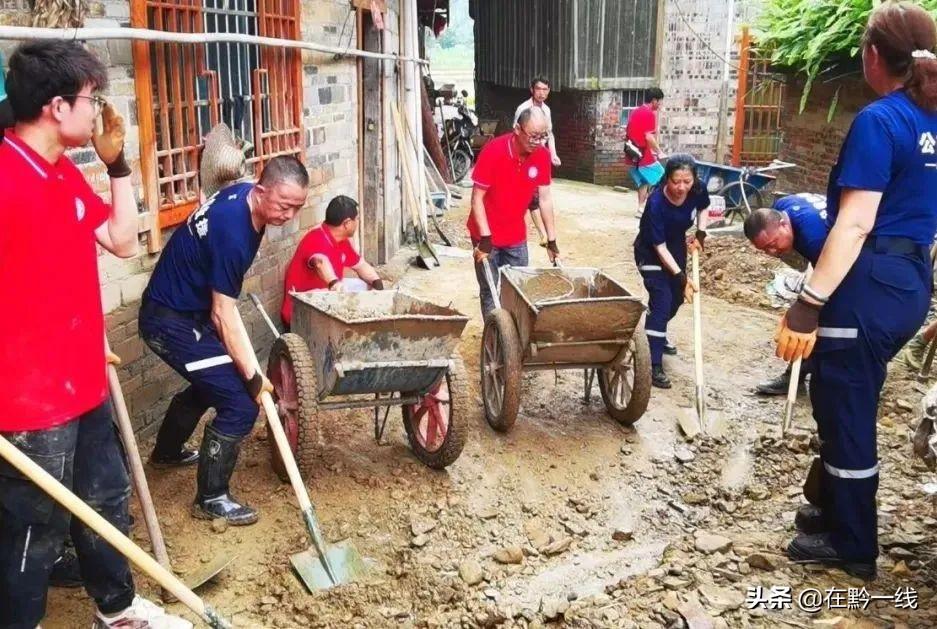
[630, 100]
[184, 90]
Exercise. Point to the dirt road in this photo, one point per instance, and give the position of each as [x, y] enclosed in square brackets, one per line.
[616, 527]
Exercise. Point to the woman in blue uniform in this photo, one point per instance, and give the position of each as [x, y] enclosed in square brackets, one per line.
[660, 251]
[871, 287]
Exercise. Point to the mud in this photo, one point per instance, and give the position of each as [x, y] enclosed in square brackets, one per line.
[609, 519]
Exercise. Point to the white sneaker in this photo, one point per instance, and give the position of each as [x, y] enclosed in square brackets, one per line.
[142, 614]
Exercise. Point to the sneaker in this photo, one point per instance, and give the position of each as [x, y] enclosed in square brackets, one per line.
[184, 457]
[817, 548]
[66, 571]
[775, 386]
[142, 614]
[670, 349]
[658, 378]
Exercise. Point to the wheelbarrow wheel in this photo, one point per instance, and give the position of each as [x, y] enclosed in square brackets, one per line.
[436, 426]
[290, 370]
[626, 384]
[501, 370]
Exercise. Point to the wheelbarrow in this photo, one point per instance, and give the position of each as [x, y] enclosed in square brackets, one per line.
[374, 349]
[564, 318]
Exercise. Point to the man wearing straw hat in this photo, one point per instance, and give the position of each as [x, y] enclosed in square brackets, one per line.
[189, 317]
[52, 354]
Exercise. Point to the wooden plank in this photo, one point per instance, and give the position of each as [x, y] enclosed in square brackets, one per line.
[371, 174]
[740, 98]
[143, 88]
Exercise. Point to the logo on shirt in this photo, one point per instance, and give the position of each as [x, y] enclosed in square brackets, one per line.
[532, 172]
[79, 208]
[199, 220]
[927, 143]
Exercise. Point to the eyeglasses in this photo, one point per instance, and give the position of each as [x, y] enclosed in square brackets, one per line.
[537, 138]
[96, 101]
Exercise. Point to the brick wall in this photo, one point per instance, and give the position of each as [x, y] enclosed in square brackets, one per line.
[331, 152]
[809, 140]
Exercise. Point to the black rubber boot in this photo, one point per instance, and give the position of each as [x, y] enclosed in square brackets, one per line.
[670, 349]
[658, 378]
[817, 548]
[775, 386]
[184, 412]
[216, 461]
[809, 519]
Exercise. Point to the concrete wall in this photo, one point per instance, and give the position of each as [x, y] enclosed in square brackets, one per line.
[330, 119]
[809, 140]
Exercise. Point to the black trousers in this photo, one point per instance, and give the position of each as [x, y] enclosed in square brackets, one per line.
[85, 456]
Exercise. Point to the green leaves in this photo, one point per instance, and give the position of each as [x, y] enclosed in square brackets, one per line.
[810, 35]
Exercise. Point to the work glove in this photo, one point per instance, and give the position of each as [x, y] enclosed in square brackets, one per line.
[482, 249]
[111, 358]
[377, 284]
[109, 142]
[257, 385]
[696, 241]
[552, 250]
[797, 331]
[689, 288]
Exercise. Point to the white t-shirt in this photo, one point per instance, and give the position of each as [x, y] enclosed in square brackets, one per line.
[527, 104]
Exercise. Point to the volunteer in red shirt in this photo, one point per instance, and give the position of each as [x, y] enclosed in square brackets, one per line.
[323, 255]
[510, 169]
[642, 130]
[52, 352]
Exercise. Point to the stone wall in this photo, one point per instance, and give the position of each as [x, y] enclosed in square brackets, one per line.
[330, 120]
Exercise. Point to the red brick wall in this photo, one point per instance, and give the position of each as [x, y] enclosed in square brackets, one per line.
[809, 140]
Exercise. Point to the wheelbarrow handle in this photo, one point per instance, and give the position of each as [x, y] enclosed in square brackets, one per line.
[489, 277]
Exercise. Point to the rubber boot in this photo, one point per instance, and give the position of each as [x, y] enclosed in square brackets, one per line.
[216, 461]
[670, 349]
[184, 412]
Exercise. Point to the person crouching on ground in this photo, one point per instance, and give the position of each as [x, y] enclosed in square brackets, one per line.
[660, 252]
[323, 255]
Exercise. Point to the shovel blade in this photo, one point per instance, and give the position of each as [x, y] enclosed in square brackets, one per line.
[716, 426]
[207, 572]
[344, 560]
[689, 421]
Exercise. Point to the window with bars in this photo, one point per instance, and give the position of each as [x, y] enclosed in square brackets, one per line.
[184, 90]
[630, 100]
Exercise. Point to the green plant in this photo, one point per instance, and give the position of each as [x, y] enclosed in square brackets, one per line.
[810, 35]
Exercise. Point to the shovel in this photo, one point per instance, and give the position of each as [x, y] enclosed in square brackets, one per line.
[791, 396]
[492, 287]
[142, 490]
[329, 565]
[700, 419]
[425, 251]
[93, 520]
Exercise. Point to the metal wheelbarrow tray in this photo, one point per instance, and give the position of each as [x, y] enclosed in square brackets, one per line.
[565, 318]
[374, 349]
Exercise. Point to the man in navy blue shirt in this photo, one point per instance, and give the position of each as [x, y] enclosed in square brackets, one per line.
[189, 319]
[794, 230]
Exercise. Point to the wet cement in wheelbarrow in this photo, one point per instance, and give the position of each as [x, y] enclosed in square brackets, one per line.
[547, 287]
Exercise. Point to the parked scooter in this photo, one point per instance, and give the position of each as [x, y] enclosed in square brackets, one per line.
[461, 125]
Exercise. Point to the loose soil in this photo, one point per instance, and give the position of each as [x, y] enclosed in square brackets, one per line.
[616, 527]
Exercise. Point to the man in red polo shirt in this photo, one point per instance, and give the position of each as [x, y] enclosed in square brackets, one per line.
[323, 255]
[52, 352]
[509, 170]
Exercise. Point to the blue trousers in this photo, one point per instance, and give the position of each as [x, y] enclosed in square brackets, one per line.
[508, 256]
[85, 456]
[194, 351]
[665, 296]
[877, 308]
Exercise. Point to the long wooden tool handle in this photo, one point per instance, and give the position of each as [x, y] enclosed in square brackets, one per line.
[698, 338]
[492, 287]
[136, 469]
[791, 395]
[273, 423]
[106, 530]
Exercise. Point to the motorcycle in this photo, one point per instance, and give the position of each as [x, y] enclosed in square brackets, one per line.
[458, 134]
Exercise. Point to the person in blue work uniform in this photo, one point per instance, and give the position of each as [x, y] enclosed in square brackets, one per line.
[660, 252]
[189, 319]
[871, 287]
[793, 230]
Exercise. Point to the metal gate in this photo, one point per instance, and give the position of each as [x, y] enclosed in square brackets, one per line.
[758, 105]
